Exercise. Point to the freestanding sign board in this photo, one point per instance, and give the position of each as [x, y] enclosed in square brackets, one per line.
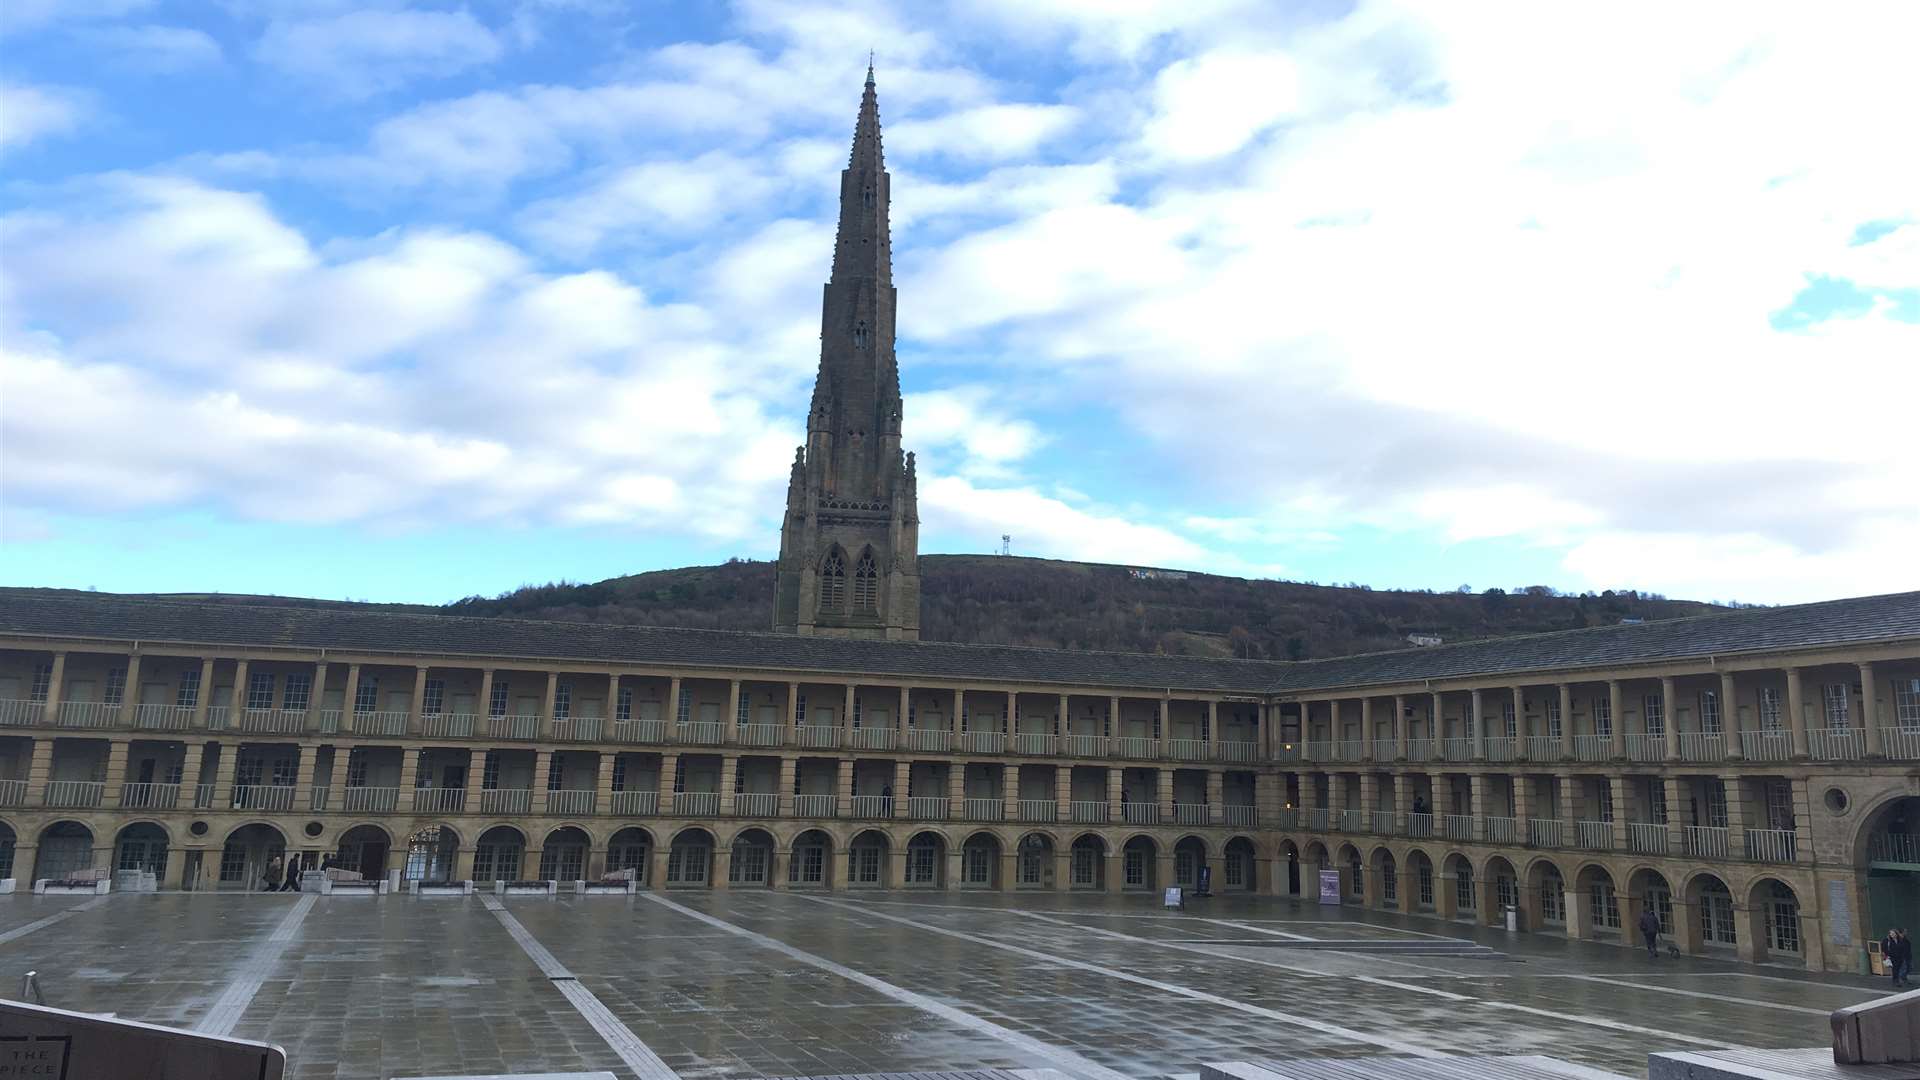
[1330, 887]
[54, 1044]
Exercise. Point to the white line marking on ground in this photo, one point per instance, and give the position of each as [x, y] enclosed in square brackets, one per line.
[1060, 1058]
[1757, 1002]
[638, 1055]
[1372, 957]
[1140, 980]
[1594, 1021]
[19, 932]
[233, 1001]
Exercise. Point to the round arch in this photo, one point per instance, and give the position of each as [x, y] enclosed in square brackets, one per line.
[1497, 873]
[8, 838]
[1315, 856]
[1034, 860]
[926, 859]
[1386, 871]
[1289, 852]
[867, 859]
[563, 854]
[1087, 862]
[1238, 865]
[499, 854]
[750, 857]
[1547, 889]
[364, 848]
[1711, 901]
[980, 860]
[1600, 892]
[690, 859]
[1189, 859]
[1139, 863]
[630, 848]
[433, 851]
[142, 846]
[1426, 883]
[1649, 889]
[1773, 913]
[810, 859]
[247, 853]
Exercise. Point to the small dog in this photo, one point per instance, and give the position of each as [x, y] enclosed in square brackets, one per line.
[1673, 951]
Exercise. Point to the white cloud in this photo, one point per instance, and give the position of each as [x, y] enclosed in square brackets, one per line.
[650, 201]
[163, 49]
[31, 113]
[1214, 104]
[24, 15]
[975, 421]
[1047, 527]
[360, 53]
[987, 132]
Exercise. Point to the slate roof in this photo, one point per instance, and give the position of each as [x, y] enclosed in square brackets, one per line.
[86, 615]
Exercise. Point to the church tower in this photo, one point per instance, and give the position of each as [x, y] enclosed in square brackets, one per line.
[850, 542]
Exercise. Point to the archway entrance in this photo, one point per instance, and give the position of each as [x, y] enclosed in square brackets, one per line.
[1034, 867]
[1387, 873]
[1892, 855]
[1089, 863]
[812, 855]
[628, 850]
[7, 840]
[65, 847]
[1189, 857]
[925, 852]
[499, 854]
[563, 857]
[867, 860]
[1290, 851]
[142, 846]
[431, 853]
[751, 860]
[1137, 863]
[1236, 865]
[690, 859]
[364, 848]
[248, 850]
[980, 862]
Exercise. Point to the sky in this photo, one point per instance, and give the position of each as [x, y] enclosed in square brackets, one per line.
[414, 301]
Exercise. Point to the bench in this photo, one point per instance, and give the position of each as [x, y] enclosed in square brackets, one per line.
[525, 888]
[1877, 1040]
[613, 883]
[86, 882]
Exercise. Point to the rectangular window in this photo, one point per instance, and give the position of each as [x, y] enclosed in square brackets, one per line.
[1837, 697]
[497, 700]
[42, 681]
[1906, 704]
[799, 708]
[1425, 878]
[1656, 714]
[1086, 866]
[680, 775]
[188, 695]
[556, 772]
[619, 772]
[856, 710]
[685, 707]
[1780, 805]
[247, 772]
[260, 690]
[1553, 718]
[1136, 867]
[740, 714]
[1717, 804]
[1602, 716]
[490, 771]
[563, 701]
[297, 691]
[1552, 901]
[356, 769]
[434, 701]
[624, 709]
[1769, 698]
[1464, 896]
[1604, 906]
[1657, 801]
[912, 719]
[1510, 720]
[866, 864]
[366, 698]
[1710, 711]
[1606, 800]
[116, 689]
[283, 771]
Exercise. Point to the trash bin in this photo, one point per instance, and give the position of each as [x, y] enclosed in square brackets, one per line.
[1513, 917]
[1876, 960]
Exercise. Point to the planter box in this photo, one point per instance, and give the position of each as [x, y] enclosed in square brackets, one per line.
[6, 886]
[440, 888]
[525, 888]
[135, 881]
[48, 887]
[604, 888]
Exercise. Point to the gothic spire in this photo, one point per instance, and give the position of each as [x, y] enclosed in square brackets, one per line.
[863, 248]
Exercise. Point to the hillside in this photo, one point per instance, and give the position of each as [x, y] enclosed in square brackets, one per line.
[1068, 605]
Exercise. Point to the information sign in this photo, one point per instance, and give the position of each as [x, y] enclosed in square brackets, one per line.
[1330, 887]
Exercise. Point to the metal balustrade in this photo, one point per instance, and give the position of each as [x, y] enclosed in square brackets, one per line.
[984, 809]
[1775, 845]
[319, 798]
[1242, 815]
[203, 796]
[88, 714]
[1500, 749]
[1546, 832]
[1385, 749]
[873, 806]
[642, 731]
[1238, 750]
[1420, 825]
[75, 793]
[756, 804]
[1089, 812]
[1039, 810]
[570, 801]
[1836, 744]
[275, 721]
[1702, 746]
[1542, 747]
[149, 796]
[759, 734]
[1646, 838]
[1456, 749]
[814, 806]
[1592, 747]
[580, 729]
[1767, 744]
[1351, 821]
[1289, 752]
[700, 733]
[1186, 749]
[217, 718]
[1456, 826]
[817, 736]
[935, 740]
[1382, 822]
[262, 797]
[1190, 814]
[646, 803]
[1140, 813]
[439, 800]
[1503, 830]
[928, 807]
[1085, 745]
[1892, 847]
[363, 799]
[13, 792]
[1646, 746]
[382, 722]
[1419, 749]
[1902, 743]
[983, 742]
[163, 717]
[700, 803]
[445, 725]
[1593, 835]
[1317, 750]
[513, 726]
[1035, 744]
[1318, 819]
[1704, 841]
[22, 713]
[1287, 818]
[506, 800]
[1347, 750]
[873, 738]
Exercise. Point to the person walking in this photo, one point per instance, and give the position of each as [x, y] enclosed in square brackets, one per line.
[1650, 928]
[270, 881]
[292, 882]
[1901, 958]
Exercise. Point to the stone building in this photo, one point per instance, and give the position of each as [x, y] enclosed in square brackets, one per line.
[1751, 775]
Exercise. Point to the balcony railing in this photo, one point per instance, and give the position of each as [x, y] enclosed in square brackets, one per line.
[1319, 819]
[1646, 746]
[1190, 813]
[983, 742]
[1317, 750]
[217, 718]
[1385, 749]
[873, 806]
[445, 725]
[1140, 813]
[1089, 812]
[363, 799]
[439, 800]
[330, 721]
[513, 726]
[1546, 832]
[984, 809]
[78, 793]
[927, 807]
[756, 804]
[149, 796]
[1593, 835]
[1187, 749]
[817, 736]
[1774, 845]
[1500, 749]
[1419, 749]
[936, 740]
[203, 796]
[646, 803]
[1287, 817]
[1134, 746]
[1456, 826]
[1039, 810]
[382, 722]
[88, 714]
[1503, 830]
[1767, 744]
[22, 713]
[1704, 841]
[13, 792]
[642, 731]
[506, 800]
[1702, 746]
[1037, 744]
[1646, 838]
[571, 802]
[1244, 815]
[579, 729]
[1350, 821]
[275, 721]
[1592, 747]
[1347, 750]
[699, 803]
[1383, 822]
[1456, 749]
[1903, 848]
[873, 738]
[263, 796]
[813, 806]
[700, 733]
[163, 717]
[1542, 747]
[1836, 744]
[1902, 743]
[1420, 825]
[1238, 750]
[1085, 745]
[758, 734]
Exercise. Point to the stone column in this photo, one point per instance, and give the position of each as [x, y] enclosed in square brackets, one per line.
[316, 700]
[237, 711]
[846, 718]
[347, 700]
[409, 778]
[1436, 725]
[1010, 792]
[229, 762]
[669, 767]
[39, 772]
[1521, 729]
[484, 706]
[1569, 787]
[1730, 719]
[1622, 796]
[1065, 725]
[1166, 727]
[1113, 720]
[1063, 793]
[613, 704]
[130, 692]
[1617, 716]
[418, 708]
[546, 708]
[1369, 798]
[1409, 886]
[670, 711]
[205, 697]
[1366, 729]
[1011, 724]
[789, 769]
[1671, 713]
[959, 710]
[1402, 800]
[1477, 796]
[1116, 870]
[1523, 813]
[336, 780]
[1216, 797]
[116, 772]
[1336, 800]
[956, 790]
[1674, 790]
[902, 780]
[1116, 779]
[793, 715]
[840, 870]
[843, 788]
[603, 784]
[1165, 776]
[1734, 785]
[732, 719]
[57, 687]
[1869, 714]
[1478, 699]
[657, 873]
[1796, 717]
[190, 773]
[1446, 903]
[1213, 728]
[1399, 727]
[1063, 869]
[1574, 900]
[476, 776]
[543, 768]
[1566, 721]
[900, 728]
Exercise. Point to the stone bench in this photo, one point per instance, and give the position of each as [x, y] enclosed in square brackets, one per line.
[440, 888]
[1878, 1032]
[83, 882]
[1876, 1040]
[617, 883]
[525, 888]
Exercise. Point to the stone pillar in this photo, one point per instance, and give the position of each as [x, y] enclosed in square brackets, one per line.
[793, 715]
[956, 791]
[1213, 729]
[418, 708]
[1116, 780]
[1796, 719]
[205, 696]
[843, 788]
[1523, 812]
[336, 780]
[1869, 714]
[190, 773]
[959, 710]
[846, 718]
[546, 709]
[1063, 869]
[1011, 723]
[1436, 724]
[1521, 729]
[1734, 785]
[1478, 699]
[1622, 796]
[484, 706]
[1116, 870]
[1063, 793]
[57, 687]
[39, 772]
[670, 711]
[347, 700]
[669, 767]
[1366, 730]
[789, 769]
[1010, 792]
[603, 783]
[1113, 719]
[1566, 721]
[1399, 728]
[900, 726]
[1409, 887]
[1446, 903]
[1336, 800]
[1674, 790]
[1730, 719]
[1166, 730]
[1402, 800]
[1165, 776]
[1671, 713]
[1579, 917]
[613, 704]
[1477, 796]
[1369, 798]
[657, 873]
[902, 780]
[409, 778]
[116, 772]
[1216, 797]
[229, 763]
[238, 710]
[1618, 719]
[318, 697]
[1065, 725]
[476, 776]
[543, 768]
[732, 719]
[840, 871]
[130, 692]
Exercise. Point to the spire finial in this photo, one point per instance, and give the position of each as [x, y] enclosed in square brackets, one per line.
[869, 67]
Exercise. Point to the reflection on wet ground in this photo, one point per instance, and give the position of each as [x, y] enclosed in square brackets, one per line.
[793, 984]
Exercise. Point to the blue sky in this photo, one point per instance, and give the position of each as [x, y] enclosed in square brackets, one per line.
[413, 301]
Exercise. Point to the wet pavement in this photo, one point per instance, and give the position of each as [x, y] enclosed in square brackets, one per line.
[758, 984]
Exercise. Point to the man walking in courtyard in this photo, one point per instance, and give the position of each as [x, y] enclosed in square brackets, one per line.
[1650, 928]
[1898, 948]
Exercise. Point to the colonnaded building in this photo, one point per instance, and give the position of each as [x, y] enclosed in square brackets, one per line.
[1754, 775]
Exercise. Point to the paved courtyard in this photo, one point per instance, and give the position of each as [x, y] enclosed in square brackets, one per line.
[788, 984]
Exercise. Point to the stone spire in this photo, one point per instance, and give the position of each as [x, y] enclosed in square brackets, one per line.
[851, 507]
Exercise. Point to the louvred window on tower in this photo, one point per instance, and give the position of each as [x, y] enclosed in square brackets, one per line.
[866, 584]
[833, 582]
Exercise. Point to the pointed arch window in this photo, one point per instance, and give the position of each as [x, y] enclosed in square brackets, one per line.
[833, 582]
[860, 334]
[866, 584]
